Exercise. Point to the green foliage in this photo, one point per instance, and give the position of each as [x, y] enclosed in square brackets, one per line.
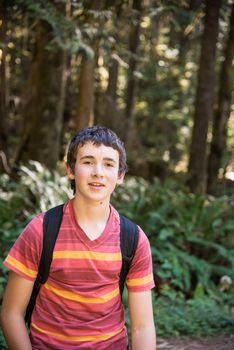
[192, 246]
[2, 342]
[167, 62]
[202, 316]
[66, 32]
[190, 235]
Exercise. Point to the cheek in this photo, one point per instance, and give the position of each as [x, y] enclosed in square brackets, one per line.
[113, 177]
[81, 173]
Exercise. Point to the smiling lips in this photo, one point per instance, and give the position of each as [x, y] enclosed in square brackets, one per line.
[96, 184]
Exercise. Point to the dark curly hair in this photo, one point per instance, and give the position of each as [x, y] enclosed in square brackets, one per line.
[98, 135]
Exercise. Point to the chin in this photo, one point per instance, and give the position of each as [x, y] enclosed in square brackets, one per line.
[98, 198]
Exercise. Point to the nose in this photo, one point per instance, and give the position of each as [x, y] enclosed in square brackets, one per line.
[98, 170]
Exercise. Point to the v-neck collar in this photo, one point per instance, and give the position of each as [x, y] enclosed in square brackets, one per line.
[82, 235]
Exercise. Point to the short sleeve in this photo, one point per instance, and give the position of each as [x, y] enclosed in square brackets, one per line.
[140, 277]
[24, 255]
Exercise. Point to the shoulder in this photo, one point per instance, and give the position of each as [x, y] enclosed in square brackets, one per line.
[30, 239]
[34, 227]
[143, 239]
[24, 255]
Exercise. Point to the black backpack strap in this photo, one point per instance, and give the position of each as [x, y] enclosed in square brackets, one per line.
[129, 235]
[51, 224]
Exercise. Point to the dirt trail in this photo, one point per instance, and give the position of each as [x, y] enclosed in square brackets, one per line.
[223, 342]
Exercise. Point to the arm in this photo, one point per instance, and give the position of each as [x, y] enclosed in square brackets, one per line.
[142, 321]
[15, 301]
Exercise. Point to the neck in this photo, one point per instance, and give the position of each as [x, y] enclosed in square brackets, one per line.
[92, 218]
[94, 212]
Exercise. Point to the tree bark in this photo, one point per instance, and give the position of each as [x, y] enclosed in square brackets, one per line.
[3, 79]
[134, 40]
[197, 169]
[219, 130]
[85, 103]
[185, 43]
[44, 101]
[113, 79]
[93, 104]
[86, 94]
[106, 106]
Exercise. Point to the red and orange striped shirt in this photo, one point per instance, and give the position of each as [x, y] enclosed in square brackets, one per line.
[79, 307]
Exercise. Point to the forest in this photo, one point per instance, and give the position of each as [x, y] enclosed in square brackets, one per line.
[160, 74]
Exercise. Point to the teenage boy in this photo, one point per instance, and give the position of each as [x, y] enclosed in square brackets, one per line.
[79, 307]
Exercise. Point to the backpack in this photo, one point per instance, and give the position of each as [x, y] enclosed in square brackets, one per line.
[129, 235]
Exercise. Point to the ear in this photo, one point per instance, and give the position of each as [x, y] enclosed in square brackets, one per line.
[70, 173]
[120, 178]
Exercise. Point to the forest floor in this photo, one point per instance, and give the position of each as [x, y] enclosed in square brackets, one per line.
[222, 342]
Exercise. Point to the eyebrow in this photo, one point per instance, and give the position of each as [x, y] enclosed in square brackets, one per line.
[92, 157]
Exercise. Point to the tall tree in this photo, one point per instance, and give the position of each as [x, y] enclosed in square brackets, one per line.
[3, 78]
[86, 94]
[113, 79]
[85, 102]
[44, 98]
[134, 40]
[222, 114]
[106, 102]
[197, 169]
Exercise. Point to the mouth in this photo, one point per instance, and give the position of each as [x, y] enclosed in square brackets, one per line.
[96, 185]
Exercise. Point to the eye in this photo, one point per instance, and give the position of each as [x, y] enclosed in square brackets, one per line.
[87, 162]
[109, 165]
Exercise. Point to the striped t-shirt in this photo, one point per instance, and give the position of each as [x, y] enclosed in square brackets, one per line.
[79, 307]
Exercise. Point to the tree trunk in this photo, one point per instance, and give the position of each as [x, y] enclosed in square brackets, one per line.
[197, 169]
[3, 80]
[113, 79]
[86, 96]
[185, 42]
[134, 40]
[44, 102]
[85, 103]
[106, 104]
[114, 63]
[219, 131]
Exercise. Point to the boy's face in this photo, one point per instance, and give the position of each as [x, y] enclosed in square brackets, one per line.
[96, 172]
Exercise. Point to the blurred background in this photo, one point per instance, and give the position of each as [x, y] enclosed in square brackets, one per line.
[160, 74]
